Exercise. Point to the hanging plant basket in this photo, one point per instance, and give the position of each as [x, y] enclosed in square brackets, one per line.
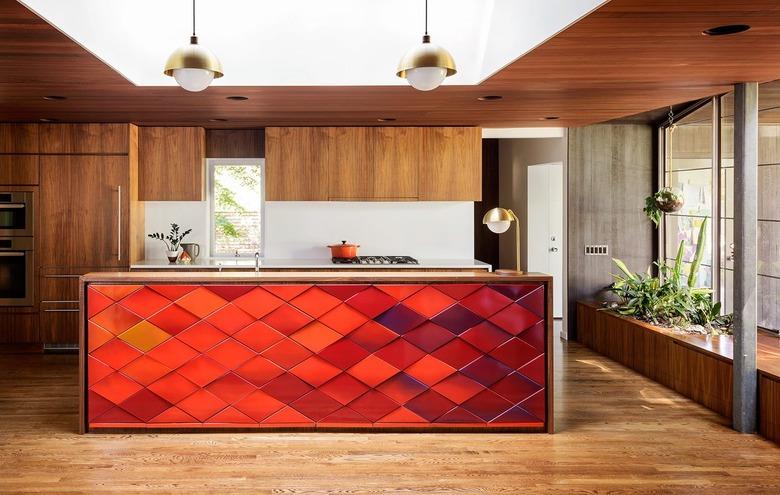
[668, 201]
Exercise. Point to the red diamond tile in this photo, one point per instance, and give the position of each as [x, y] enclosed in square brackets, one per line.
[344, 415]
[258, 302]
[202, 336]
[457, 319]
[515, 353]
[429, 302]
[172, 353]
[343, 319]
[400, 319]
[402, 415]
[96, 370]
[229, 292]
[144, 405]
[286, 388]
[400, 354]
[173, 319]
[315, 371]
[458, 291]
[429, 336]
[230, 319]
[258, 336]
[202, 370]
[287, 416]
[458, 388]
[514, 319]
[116, 353]
[316, 405]
[230, 354]
[115, 292]
[97, 336]
[535, 336]
[202, 405]
[459, 415]
[230, 388]
[286, 319]
[399, 292]
[485, 336]
[486, 370]
[536, 404]
[287, 291]
[430, 370]
[513, 291]
[286, 353]
[373, 405]
[116, 387]
[372, 336]
[173, 415]
[315, 336]
[515, 387]
[456, 353]
[485, 302]
[115, 319]
[173, 292]
[97, 405]
[116, 415]
[535, 370]
[372, 371]
[232, 416]
[173, 387]
[430, 405]
[145, 370]
[487, 405]
[344, 388]
[343, 354]
[372, 302]
[343, 292]
[145, 302]
[534, 302]
[201, 302]
[96, 302]
[315, 302]
[518, 415]
[259, 371]
[402, 388]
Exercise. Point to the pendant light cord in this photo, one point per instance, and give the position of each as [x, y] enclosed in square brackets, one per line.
[426, 17]
[193, 17]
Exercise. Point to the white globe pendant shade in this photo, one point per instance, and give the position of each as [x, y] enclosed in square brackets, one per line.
[426, 66]
[193, 66]
[426, 78]
[193, 79]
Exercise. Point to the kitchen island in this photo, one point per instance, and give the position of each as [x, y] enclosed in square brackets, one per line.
[300, 350]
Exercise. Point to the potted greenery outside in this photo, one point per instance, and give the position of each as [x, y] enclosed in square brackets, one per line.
[172, 241]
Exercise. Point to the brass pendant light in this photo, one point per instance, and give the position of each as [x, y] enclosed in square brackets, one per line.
[193, 66]
[426, 65]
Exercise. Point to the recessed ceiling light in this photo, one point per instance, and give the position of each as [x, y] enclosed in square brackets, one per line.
[490, 98]
[551, 117]
[54, 98]
[725, 30]
[385, 119]
[237, 98]
[217, 120]
[48, 120]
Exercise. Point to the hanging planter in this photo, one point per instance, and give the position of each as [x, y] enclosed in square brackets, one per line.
[664, 201]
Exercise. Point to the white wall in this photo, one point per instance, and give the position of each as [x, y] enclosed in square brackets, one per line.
[440, 230]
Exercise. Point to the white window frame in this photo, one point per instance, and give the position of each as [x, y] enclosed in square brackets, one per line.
[211, 164]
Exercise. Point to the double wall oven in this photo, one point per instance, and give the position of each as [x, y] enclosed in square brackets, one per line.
[16, 248]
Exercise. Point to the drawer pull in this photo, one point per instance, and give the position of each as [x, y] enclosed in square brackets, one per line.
[61, 310]
[61, 276]
[63, 301]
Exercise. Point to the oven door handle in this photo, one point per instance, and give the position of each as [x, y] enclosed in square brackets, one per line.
[15, 206]
[11, 253]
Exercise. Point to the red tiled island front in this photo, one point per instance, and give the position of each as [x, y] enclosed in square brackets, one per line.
[378, 351]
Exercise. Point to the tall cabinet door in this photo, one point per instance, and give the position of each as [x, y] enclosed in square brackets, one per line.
[84, 210]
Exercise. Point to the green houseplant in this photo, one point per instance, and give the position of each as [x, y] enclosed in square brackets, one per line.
[663, 201]
[172, 241]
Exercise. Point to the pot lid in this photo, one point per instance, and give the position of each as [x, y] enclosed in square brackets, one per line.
[343, 244]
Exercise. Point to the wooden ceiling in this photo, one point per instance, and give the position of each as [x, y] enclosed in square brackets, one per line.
[628, 57]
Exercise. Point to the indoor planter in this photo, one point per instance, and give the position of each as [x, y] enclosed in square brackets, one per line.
[172, 241]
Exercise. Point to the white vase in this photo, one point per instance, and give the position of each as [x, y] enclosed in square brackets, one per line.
[172, 255]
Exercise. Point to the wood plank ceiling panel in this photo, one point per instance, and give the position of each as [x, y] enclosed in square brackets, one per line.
[627, 57]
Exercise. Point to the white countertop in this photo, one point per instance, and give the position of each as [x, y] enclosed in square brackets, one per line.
[313, 263]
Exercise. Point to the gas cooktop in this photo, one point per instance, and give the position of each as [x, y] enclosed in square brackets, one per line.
[377, 260]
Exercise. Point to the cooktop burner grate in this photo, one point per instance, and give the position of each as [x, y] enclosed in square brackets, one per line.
[377, 260]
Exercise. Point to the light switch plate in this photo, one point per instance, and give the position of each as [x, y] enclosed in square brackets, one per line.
[597, 250]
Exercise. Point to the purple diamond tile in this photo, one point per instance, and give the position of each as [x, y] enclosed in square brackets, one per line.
[513, 291]
[486, 370]
[487, 405]
[457, 319]
[400, 319]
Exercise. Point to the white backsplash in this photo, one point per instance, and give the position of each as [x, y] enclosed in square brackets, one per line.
[303, 229]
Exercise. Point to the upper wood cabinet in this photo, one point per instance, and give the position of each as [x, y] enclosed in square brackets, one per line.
[296, 163]
[373, 163]
[171, 163]
[19, 170]
[18, 138]
[451, 168]
[84, 139]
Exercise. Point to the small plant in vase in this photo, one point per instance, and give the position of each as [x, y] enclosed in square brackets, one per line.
[172, 241]
[664, 201]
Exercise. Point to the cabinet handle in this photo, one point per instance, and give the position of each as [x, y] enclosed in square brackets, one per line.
[61, 276]
[11, 253]
[61, 310]
[119, 223]
[62, 301]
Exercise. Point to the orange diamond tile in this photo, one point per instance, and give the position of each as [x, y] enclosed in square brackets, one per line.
[230, 388]
[259, 371]
[97, 336]
[343, 319]
[230, 415]
[202, 405]
[116, 387]
[96, 370]
[230, 354]
[115, 292]
[201, 302]
[96, 302]
[286, 353]
[258, 302]
[173, 319]
[458, 388]
[258, 405]
[372, 302]
[287, 291]
[230, 319]
[145, 370]
[173, 292]
[116, 353]
[315, 336]
[115, 319]
[173, 387]
[145, 302]
[144, 336]
[372, 371]
[286, 319]
[315, 302]
[429, 302]
[173, 353]
[344, 388]
[402, 415]
[315, 371]
[430, 370]
[202, 336]
[202, 370]
[173, 415]
[288, 416]
[258, 336]
[400, 292]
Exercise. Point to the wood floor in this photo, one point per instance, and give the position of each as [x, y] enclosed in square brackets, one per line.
[618, 433]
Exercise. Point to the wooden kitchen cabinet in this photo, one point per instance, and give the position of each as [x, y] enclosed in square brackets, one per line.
[451, 168]
[296, 163]
[19, 170]
[89, 139]
[171, 163]
[349, 162]
[85, 207]
[18, 138]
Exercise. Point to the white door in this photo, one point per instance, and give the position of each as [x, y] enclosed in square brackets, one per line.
[545, 226]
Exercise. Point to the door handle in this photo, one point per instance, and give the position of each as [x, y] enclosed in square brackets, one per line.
[119, 223]
[553, 249]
